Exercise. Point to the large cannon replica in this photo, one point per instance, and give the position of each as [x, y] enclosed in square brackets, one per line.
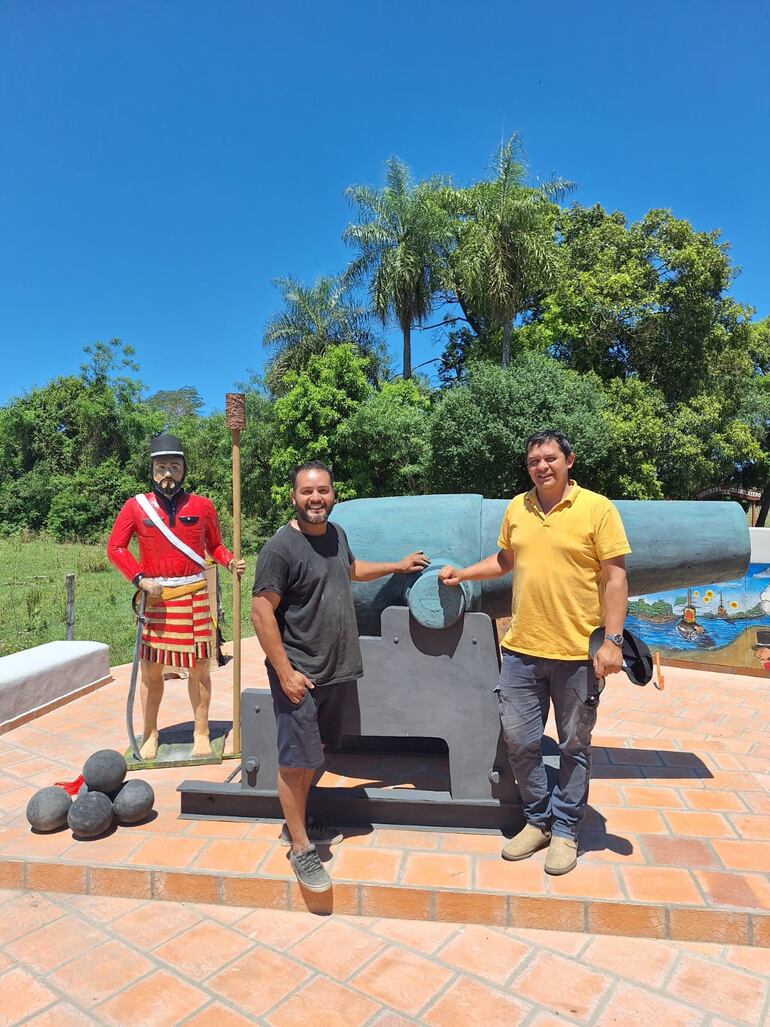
[431, 655]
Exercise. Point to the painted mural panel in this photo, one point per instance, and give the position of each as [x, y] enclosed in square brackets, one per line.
[725, 624]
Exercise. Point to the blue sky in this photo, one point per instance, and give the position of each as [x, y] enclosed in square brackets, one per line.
[161, 162]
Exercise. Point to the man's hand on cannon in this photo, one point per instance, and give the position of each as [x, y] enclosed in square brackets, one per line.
[237, 567]
[450, 575]
[413, 563]
[151, 586]
[295, 685]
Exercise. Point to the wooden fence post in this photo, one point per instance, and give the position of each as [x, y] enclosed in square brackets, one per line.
[69, 615]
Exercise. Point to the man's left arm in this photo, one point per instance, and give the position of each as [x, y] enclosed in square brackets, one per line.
[364, 570]
[609, 658]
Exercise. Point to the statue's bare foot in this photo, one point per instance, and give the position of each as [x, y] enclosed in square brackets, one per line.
[149, 749]
[201, 745]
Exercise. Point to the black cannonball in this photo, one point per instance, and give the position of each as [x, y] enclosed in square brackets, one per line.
[90, 815]
[104, 771]
[47, 809]
[133, 802]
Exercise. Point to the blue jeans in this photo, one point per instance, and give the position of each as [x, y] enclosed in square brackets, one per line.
[526, 689]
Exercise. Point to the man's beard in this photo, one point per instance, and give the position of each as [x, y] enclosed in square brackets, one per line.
[168, 487]
[312, 517]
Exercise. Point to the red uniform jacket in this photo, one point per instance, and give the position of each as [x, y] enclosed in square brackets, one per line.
[192, 519]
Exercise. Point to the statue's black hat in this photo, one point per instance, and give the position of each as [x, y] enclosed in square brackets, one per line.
[165, 445]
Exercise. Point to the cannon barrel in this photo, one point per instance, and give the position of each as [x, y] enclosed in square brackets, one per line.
[675, 545]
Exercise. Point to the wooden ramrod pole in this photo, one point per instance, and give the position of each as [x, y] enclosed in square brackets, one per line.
[235, 420]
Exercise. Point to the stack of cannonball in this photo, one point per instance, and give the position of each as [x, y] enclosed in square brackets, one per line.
[105, 796]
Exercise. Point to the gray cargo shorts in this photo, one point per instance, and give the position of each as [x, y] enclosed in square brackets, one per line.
[304, 728]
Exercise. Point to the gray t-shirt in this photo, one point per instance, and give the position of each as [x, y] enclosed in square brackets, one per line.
[316, 616]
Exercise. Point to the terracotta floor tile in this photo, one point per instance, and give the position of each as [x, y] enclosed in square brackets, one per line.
[652, 796]
[568, 987]
[145, 927]
[323, 1003]
[756, 828]
[424, 936]
[161, 1000]
[718, 988]
[220, 913]
[524, 877]
[664, 850]
[217, 1015]
[162, 851]
[639, 959]
[437, 870]
[743, 855]
[220, 829]
[484, 952]
[102, 908]
[570, 943]
[107, 968]
[757, 960]
[276, 863]
[402, 980]
[588, 881]
[481, 844]
[115, 848]
[203, 949]
[62, 1014]
[258, 980]
[388, 837]
[747, 891]
[336, 949]
[278, 928]
[699, 825]
[230, 856]
[714, 800]
[468, 1001]
[26, 912]
[630, 1006]
[21, 995]
[56, 943]
[369, 864]
[637, 821]
[661, 884]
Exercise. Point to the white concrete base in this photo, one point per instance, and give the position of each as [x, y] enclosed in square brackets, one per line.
[47, 675]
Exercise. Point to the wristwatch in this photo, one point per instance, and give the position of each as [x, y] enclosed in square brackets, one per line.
[615, 639]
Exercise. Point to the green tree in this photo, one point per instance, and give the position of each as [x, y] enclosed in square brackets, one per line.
[313, 319]
[309, 417]
[504, 253]
[478, 430]
[399, 235]
[385, 442]
[176, 403]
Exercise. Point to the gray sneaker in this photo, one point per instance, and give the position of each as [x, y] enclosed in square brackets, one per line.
[309, 869]
[317, 833]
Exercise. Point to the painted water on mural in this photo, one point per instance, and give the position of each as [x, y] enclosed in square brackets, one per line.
[730, 619]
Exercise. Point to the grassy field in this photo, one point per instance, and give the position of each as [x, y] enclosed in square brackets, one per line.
[32, 597]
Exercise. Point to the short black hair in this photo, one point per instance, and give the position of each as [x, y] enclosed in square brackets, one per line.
[310, 465]
[548, 435]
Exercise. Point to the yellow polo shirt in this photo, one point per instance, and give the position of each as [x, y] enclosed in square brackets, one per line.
[557, 578]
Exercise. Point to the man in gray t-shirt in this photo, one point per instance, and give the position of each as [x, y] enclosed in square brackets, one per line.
[302, 611]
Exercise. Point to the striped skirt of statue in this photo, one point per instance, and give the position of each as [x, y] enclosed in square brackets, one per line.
[177, 631]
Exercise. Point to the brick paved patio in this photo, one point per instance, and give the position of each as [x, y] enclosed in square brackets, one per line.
[676, 845]
[79, 959]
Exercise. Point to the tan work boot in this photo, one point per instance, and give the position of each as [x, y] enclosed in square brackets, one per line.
[561, 857]
[526, 842]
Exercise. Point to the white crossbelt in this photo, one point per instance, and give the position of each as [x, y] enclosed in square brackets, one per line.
[144, 503]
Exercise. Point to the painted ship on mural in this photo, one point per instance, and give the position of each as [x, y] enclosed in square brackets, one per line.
[717, 624]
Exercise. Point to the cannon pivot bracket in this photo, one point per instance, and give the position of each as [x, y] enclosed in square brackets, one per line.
[417, 682]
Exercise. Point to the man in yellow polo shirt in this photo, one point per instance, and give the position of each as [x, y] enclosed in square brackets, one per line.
[566, 547]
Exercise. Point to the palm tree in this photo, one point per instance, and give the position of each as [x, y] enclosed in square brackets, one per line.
[313, 319]
[398, 237]
[506, 249]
